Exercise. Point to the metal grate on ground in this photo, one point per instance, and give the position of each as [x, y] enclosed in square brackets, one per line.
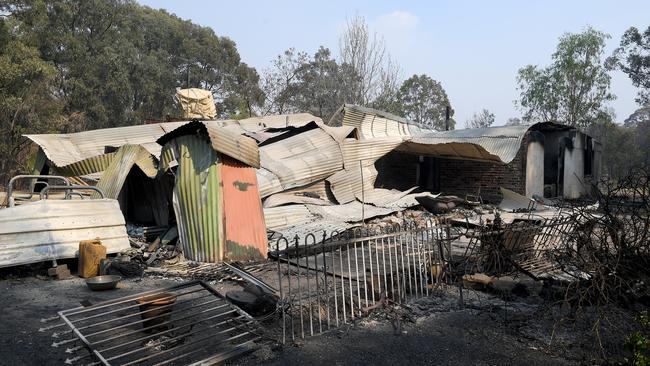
[180, 325]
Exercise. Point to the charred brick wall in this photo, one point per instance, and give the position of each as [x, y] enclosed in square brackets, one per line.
[461, 177]
[457, 177]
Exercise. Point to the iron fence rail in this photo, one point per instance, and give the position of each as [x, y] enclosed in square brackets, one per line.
[330, 280]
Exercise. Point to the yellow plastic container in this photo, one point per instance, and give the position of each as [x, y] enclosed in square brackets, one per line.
[91, 253]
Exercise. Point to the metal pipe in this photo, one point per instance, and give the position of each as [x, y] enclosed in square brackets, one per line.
[10, 185]
[69, 188]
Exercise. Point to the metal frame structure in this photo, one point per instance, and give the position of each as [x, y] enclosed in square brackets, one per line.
[328, 281]
[199, 326]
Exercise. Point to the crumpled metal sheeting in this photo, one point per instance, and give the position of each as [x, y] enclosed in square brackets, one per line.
[113, 177]
[367, 151]
[267, 182]
[373, 123]
[319, 189]
[346, 184]
[281, 199]
[66, 149]
[499, 144]
[233, 144]
[286, 216]
[382, 197]
[350, 212]
[95, 164]
[302, 159]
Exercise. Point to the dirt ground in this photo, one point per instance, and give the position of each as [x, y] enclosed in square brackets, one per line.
[437, 332]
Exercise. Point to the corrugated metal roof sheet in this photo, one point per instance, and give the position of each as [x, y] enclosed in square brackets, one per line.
[52, 229]
[285, 216]
[302, 159]
[123, 160]
[281, 199]
[367, 151]
[373, 123]
[66, 149]
[499, 144]
[268, 183]
[198, 199]
[237, 146]
[345, 184]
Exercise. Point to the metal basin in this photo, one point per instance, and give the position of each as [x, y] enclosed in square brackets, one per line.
[100, 283]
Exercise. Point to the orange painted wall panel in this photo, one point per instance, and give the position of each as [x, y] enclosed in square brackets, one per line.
[242, 209]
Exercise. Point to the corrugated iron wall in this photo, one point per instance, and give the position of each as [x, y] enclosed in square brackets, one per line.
[198, 199]
[244, 220]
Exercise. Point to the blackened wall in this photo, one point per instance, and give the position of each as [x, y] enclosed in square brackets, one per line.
[457, 177]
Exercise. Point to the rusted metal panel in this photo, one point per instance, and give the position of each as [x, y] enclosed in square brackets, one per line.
[52, 229]
[198, 200]
[245, 230]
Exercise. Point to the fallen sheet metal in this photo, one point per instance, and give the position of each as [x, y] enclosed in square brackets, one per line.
[281, 199]
[367, 151]
[52, 229]
[348, 183]
[123, 160]
[350, 212]
[513, 201]
[286, 216]
[302, 159]
[373, 123]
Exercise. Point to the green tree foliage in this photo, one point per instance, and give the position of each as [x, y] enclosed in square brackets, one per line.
[423, 100]
[297, 82]
[321, 85]
[621, 152]
[119, 63]
[482, 119]
[574, 88]
[27, 97]
[633, 58]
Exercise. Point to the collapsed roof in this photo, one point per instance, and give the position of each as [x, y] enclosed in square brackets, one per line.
[307, 173]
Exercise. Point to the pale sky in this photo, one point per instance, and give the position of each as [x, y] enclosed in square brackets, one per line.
[474, 48]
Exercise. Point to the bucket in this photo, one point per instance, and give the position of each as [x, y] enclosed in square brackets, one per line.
[156, 309]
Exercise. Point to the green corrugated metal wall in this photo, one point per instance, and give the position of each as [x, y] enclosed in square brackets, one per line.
[197, 199]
